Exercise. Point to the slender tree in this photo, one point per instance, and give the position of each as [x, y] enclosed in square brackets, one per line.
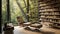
[28, 10]
[22, 10]
[8, 11]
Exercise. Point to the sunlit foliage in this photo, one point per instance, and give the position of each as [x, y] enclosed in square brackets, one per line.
[15, 10]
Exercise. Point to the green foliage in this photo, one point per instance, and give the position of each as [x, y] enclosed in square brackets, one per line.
[15, 10]
[4, 10]
[33, 10]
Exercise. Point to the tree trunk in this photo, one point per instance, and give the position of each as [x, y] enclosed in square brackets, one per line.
[8, 11]
[1, 17]
[28, 10]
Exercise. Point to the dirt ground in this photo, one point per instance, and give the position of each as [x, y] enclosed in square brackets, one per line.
[43, 30]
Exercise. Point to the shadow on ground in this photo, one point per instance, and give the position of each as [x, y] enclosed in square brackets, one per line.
[42, 32]
[47, 32]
